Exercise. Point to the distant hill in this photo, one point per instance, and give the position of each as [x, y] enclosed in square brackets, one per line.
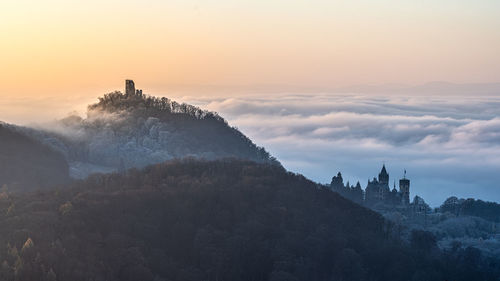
[430, 88]
[223, 220]
[122, 131]
[26, 164]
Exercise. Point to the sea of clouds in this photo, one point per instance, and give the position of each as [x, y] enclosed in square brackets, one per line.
[448, 145]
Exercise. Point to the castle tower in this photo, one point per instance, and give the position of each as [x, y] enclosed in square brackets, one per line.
[129, 87]
[337, 182]
[383, 177]
[404, 188]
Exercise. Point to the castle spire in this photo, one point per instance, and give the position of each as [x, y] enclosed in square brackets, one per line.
[383, 171]
[394, 190]
[383, 177]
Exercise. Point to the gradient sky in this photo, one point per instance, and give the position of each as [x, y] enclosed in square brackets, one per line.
[61, 47]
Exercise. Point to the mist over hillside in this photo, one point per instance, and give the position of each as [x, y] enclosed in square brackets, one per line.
[125, 130]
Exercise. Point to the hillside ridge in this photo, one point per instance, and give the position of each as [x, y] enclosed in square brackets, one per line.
[131, 129]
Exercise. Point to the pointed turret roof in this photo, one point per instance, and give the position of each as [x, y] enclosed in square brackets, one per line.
[383, 171]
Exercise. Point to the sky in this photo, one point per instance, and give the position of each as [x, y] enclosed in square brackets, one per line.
[283, 72]
[62, 47]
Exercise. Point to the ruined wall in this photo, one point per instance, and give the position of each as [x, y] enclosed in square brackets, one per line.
[129, 87]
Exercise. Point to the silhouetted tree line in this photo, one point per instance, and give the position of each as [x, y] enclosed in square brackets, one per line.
[116, 101]
[471, 207]
[221, 220]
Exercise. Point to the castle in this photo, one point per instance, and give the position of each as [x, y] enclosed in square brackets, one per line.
[130, 89]
[377, 191]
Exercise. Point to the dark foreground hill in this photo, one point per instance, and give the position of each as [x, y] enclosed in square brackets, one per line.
[26, 164]
[222, 220]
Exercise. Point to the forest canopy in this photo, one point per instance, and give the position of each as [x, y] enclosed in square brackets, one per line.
[214, 220]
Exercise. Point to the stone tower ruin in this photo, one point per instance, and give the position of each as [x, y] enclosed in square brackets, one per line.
[129, 87]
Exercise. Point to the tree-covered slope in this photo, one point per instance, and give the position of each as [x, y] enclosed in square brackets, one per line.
[123, 131]
[222, 220]
[26, 164]
[470, 207]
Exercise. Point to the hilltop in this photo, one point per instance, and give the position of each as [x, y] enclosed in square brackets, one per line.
[131, 129]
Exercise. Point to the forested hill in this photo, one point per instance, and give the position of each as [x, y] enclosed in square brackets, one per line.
[122, 131]
[223, 220]
[26, 164]
[471, 207]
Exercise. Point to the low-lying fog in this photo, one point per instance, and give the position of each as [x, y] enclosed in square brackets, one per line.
[449, 145]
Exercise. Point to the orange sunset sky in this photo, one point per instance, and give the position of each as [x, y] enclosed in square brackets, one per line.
[54, 47]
